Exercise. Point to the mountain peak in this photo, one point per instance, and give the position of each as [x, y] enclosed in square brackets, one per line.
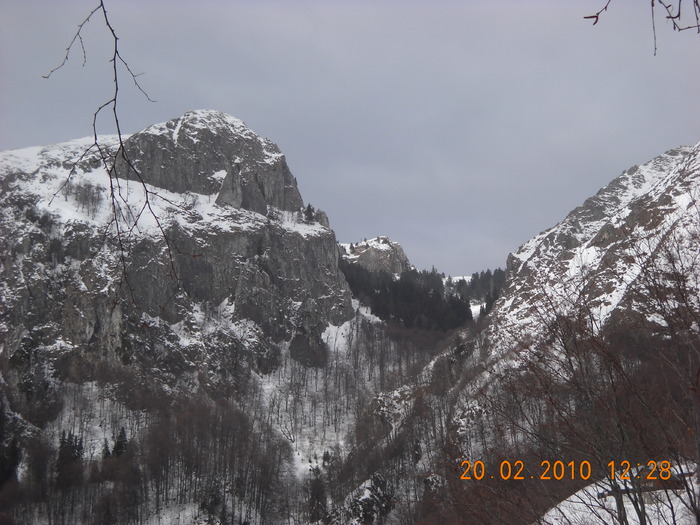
[194, 122]
[209, 152]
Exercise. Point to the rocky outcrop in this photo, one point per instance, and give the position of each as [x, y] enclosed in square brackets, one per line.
[209, 152]
[378, 255]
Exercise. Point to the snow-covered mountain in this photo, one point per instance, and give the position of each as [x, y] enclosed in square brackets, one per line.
[597, 255]
[179, 344]
[592, 352]
[179, 283]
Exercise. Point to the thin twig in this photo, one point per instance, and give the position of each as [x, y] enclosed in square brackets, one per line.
[653, 24]
[676, 18]
[77, 36]
[596, 16]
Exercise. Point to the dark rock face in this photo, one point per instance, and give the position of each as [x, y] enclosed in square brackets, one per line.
[208, 152]
[275, 276]
[310, 352]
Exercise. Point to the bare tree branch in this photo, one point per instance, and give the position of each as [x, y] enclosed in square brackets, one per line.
[673, 13]
[596, 16]
[125, 218]
[676, 18]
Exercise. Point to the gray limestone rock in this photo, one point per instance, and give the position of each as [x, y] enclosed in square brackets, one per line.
[208, 152]
[380, 254]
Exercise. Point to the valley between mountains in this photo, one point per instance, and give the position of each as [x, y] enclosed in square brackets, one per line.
[184, 340]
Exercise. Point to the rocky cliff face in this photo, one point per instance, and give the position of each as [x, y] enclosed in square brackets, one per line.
[596, 338]
[211, 153]
[378, 255]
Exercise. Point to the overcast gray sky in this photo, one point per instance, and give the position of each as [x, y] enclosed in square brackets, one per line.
[459, 129]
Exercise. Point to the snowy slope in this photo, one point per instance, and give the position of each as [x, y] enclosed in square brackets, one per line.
[47, 174]
[597, 252]
[587, 507]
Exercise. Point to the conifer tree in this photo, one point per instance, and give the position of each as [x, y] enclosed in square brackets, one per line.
[120, 444]
[105, 450]
[69, 468]
[317, 496]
